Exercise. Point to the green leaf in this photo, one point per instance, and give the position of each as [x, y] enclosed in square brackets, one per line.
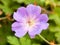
[35, 44]
[19, 1]
[57, 10]
[8, 6]
[39, 2]
[7, 10]
[4, 31]
[57, 36]
[54, 22]
[13, 40]
[25, 1]
[25, 41]
[54, 28]
[55, 17]
[48, 35]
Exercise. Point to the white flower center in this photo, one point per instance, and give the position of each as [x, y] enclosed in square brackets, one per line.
[30, 22]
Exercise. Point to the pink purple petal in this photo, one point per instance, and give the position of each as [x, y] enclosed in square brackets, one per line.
[20, 33]
[35, 30]
[15, 26]
[20, 15]
[19, 29]
[22, 11]
[42, 18]
[33, 10]
[44, 26]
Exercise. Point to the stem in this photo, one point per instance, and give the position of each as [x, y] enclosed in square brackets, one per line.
[2, 18]
[47, 40]
[44, 39]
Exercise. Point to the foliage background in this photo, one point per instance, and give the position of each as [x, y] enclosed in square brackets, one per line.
[8, 7]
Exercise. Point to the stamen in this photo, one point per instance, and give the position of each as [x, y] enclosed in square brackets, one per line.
[31, 22]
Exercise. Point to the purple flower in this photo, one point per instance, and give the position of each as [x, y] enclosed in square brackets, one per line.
[29, 20]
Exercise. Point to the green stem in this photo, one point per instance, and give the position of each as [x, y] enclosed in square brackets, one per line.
[44, 39]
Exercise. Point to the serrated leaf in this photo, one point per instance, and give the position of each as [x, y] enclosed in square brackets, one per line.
[25, 41]
[7, 10]
[8, 6]
[13, 40]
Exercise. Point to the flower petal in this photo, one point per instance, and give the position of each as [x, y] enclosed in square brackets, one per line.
[22, 11]
[33, 10]
[19, 29]
[21, 14]
[15, 26]
[44, 26]
[32, 36]
[20, 33]
[35, 30]
[42, 18]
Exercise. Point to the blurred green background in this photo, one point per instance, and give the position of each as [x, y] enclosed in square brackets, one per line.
[8, 7]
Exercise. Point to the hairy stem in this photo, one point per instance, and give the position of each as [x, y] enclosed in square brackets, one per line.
[44, 39]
